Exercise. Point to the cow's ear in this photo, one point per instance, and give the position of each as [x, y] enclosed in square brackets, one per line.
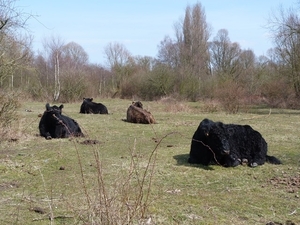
[221, 125]
[91, 99]
[48, 106]
[61, 106]
[230, 131]
[83, 99]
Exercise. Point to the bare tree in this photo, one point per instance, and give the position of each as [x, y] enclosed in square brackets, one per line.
[53, 48]
[144, 63]
[285, 27]
[120, 62]
[75, 54]
[188, 54]
[116, 54]
[169, 52]
[74, 60]
[247, 59]
[192, 36]
[15, 48]
[11, 16]
[224, 54]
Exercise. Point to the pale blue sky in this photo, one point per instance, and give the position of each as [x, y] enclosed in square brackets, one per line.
[140, 25]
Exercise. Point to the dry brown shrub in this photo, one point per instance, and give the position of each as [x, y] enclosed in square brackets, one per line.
[211, 106]
[230, 95]
[174, 106]
[167, 100]
[130, 87]
[8, 115]
[292, 102]
[278, 93]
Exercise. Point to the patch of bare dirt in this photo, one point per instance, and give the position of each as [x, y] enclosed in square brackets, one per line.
[90, 142]
[38, 210]
[288, 222]
[8, 185]
[289, 182]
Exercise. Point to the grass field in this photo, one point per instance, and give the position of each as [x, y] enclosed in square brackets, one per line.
[138, 174]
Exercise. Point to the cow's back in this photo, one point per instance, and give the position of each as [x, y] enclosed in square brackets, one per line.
[138, 115]
[71, 127]
[89, 107]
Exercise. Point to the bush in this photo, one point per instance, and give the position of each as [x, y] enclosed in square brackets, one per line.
[157, 84]
[37, 92]
[73, 88]
[230, 95]
[8, 113]
[130, 87]
[278, 93]
[190, 88]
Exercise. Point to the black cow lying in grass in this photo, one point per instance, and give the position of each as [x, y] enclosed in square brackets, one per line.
[136, 114]
[88, 106]
[55, 125]
[228, 145]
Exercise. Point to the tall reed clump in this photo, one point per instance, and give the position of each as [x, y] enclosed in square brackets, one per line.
[127, 199]
[8, 114]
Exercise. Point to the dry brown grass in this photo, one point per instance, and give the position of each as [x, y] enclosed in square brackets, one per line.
[174, 106]
[9, 118]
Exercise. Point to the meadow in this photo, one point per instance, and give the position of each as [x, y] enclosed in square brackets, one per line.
[123, 173]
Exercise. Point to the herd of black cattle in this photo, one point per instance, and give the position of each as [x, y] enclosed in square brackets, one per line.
[228, 145]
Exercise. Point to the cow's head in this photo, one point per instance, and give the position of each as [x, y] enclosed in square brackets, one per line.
[205, 126]
[219, 139]
[53, 113]
[87, 99]
[137, 104]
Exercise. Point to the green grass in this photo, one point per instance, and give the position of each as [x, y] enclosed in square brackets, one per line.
[31, 178]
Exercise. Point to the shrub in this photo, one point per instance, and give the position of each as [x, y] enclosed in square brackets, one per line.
[190, 88]
[277, 92]
[8, 112]
[126, 201]
[73, 88]
[230, 95]
[130, 87]
[157, 84]
[37, 92]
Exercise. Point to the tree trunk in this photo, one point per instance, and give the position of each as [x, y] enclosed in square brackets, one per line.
[56, 79]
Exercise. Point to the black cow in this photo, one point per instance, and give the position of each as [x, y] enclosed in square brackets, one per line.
[248, 145]
[228, 145]
[88, 106]
[209, 144]
[55, 125]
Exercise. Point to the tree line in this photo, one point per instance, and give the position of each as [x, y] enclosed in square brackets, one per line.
[192, 65]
